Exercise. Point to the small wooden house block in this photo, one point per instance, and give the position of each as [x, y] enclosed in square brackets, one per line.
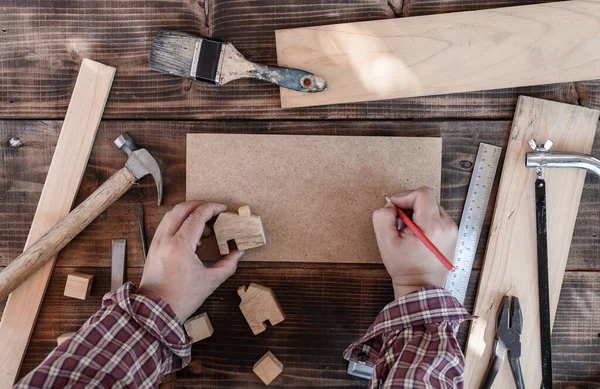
[259, 305]
[199, 327]
[64, 337]
[78, 285]
[244, 228]
[268, 368]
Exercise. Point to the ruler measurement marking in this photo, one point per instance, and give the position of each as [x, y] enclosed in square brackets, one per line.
[473, 217]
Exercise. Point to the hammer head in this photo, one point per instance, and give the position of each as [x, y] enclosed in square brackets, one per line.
[140, 162]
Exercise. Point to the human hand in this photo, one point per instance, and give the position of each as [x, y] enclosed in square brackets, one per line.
[410, 264]
[173, 271]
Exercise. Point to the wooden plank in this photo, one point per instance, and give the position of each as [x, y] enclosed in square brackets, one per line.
[23, 171]
[315, 194]
[328, 307]
[510, 265]
[62, 183]
[118, 251]
[440, 54]
[61, 32]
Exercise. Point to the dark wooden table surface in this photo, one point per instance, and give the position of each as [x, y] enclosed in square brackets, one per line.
[327, 306]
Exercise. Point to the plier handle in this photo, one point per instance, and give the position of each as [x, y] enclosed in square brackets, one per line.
[508, 341]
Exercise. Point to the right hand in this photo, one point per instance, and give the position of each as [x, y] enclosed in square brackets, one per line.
[410, 264]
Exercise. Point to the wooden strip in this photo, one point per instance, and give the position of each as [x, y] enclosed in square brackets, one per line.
[510, 265]
[314, 194]
[39, 86]
[117, 263]
[62, 183]
[440, 54]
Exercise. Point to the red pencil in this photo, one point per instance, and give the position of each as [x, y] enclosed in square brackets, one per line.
[417, 231]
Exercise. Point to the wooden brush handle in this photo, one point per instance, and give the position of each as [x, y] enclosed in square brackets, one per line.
[64, 231]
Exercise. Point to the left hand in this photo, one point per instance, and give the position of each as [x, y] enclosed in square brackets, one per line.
[173, 271]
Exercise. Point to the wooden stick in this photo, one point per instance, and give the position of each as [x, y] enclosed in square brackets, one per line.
[510, 265]
[439, 54]
[117, 267]
[45, 248]
[62, 183]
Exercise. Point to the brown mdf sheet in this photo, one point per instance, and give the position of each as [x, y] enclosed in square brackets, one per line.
[446, 53]
[315, 194]
[510, 264]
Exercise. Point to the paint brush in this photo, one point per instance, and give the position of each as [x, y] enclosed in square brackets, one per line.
[422, 237]
[218, 62]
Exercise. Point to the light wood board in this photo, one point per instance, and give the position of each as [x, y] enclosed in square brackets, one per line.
[62, 183]
[315, 194]
[447, 53]
[510, 265]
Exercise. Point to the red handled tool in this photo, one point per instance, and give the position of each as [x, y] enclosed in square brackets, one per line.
[423, 238]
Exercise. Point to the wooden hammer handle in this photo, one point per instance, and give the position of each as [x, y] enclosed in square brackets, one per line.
[64, 231]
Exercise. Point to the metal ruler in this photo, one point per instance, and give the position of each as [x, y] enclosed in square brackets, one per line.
[473, 216]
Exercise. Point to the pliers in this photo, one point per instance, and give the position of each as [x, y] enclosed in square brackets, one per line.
[508, 340]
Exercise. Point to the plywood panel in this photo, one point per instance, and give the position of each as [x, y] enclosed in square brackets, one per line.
[440, 54]
[510, 264]
[315, 194]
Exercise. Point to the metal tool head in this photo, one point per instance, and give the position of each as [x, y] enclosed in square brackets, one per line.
[140, 162]
[510, 325]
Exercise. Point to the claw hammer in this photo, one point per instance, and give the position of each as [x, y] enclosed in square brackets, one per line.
[139, 164]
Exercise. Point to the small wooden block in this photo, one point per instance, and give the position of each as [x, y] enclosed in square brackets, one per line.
[268, 368]
[242, 227]
[258, 305]
[64, 337]
[117, 267]
[199, 327]
[78, 285]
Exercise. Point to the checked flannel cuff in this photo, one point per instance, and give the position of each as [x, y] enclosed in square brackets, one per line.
[411, 344]
[130, 342]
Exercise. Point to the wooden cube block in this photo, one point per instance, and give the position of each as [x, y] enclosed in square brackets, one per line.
[78, 285]
[64, 337]
[199, 327]
[268, 368]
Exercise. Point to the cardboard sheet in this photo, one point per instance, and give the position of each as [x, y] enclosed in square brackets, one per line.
[315, 194]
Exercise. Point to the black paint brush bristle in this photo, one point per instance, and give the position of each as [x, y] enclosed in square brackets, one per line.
[211, 60]
[186, 55]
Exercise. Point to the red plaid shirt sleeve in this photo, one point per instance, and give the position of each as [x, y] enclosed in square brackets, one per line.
[131, 341]
[412, 344]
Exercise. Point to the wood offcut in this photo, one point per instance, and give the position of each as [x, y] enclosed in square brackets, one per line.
[62, 183]
[243, 228]
[268, 368]
[117, 267]
[511, 258]
[199, 327]
[447, 53]
[79, 285]
[258, 306]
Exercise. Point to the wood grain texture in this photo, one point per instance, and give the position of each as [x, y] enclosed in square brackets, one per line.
[42, 44]
[59, 191]
[325, 313]
[510, 265]
[259, 305]
[241, 227]
[23, 172]
[441, 54]
[343, 297]
[315, 194]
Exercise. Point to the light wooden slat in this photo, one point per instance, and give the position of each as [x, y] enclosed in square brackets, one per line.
[510, 265]
[440, 54]
[62, 183]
